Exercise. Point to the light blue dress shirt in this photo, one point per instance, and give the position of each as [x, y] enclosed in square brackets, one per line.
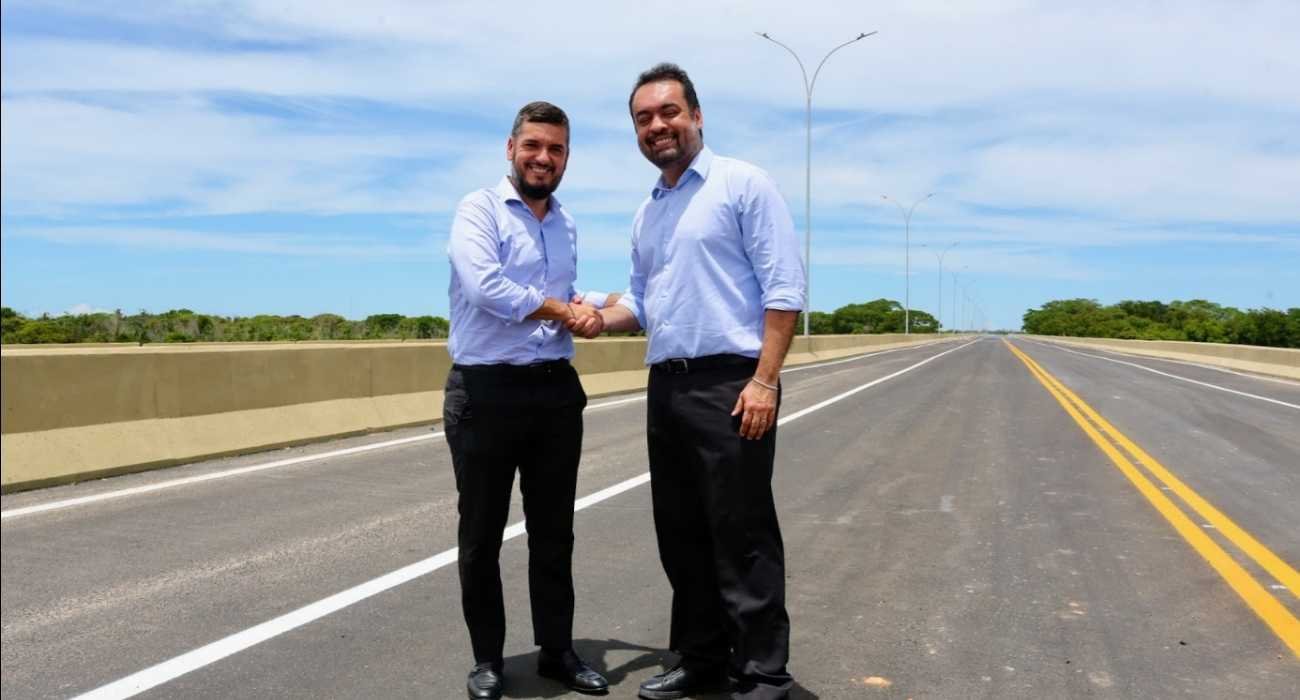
[504, 264]
[708, 257]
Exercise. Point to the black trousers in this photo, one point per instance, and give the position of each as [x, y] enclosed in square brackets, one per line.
[498, 419]
[719, 539]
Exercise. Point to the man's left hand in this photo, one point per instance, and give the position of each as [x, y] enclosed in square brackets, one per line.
[757, 403]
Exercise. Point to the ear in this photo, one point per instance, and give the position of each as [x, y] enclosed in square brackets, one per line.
[510, 148]
[698, 118]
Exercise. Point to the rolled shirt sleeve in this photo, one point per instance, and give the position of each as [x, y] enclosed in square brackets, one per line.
[474, 257]
[770, 241]
[593, 298]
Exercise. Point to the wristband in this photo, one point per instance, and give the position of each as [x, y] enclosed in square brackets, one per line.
[763, 384]
[572, 315]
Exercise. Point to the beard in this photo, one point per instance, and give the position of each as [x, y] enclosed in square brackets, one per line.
[530, 191]
[681, 150]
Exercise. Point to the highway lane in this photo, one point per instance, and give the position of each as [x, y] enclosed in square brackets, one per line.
[950, 533]
[174, 569]
[1237, 446]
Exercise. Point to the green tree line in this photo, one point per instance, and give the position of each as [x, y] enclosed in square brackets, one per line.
[1196, 320]
[185, 326]
[879, 316]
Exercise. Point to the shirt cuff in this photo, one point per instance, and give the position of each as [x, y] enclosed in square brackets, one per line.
[783, 300]
[596, 299]
[633, 305]
[528, 303]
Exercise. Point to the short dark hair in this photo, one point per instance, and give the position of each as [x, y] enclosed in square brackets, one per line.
[667, 71]
[539, 113]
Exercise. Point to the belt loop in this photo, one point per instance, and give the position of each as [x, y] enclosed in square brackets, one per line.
[679, 365]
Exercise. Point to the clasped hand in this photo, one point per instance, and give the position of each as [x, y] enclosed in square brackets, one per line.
[585, 320]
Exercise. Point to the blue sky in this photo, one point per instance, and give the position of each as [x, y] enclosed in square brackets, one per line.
[303, 157]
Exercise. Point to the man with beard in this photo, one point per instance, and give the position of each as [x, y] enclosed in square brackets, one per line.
[512, 399]
[717, 284]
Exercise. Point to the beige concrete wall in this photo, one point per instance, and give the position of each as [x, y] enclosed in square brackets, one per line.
[1277, 362]
[78, 412]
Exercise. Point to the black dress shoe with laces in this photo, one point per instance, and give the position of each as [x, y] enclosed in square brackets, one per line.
[485, 682]
[683, 680]
[568, 668]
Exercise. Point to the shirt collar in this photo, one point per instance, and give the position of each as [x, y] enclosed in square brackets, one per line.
[506, 191]
[700, 166]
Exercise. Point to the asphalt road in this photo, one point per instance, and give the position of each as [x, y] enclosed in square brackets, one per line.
[951, 532]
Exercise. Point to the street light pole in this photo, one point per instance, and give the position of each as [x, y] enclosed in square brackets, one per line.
[970, 303]
[940, 257]
[907, 257]
[808, 86]
[955, 318]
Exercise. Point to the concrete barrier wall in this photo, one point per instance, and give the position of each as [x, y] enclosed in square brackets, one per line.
[1278, 362]
[78, 412]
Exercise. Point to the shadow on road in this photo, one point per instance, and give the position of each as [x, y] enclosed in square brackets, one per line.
[522, 680]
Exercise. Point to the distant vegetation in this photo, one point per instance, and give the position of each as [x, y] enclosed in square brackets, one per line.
[1196, 320]
[879, 316]
[185, 326]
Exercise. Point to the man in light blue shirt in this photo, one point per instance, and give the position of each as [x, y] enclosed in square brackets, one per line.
[513, 401]
[717, 284]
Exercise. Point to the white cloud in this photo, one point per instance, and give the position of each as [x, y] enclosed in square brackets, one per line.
[296, 245]
[82, 309]
[1137, 123]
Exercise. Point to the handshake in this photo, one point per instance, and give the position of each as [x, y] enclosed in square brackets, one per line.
[584, 319]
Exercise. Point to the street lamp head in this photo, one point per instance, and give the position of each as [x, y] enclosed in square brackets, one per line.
[808, 94]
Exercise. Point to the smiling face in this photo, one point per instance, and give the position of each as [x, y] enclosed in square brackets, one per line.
[538, 155]
[667, 130]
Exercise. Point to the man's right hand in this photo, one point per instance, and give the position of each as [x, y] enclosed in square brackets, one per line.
[586, 321]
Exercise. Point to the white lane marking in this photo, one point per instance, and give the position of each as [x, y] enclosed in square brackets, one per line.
[172, 483]
[855, 358]
[868, 385]
[1172, 376]
[175, 667]
[154, 676]
[185, 481]
[618, 402]
[945, 503]
[1223, 370]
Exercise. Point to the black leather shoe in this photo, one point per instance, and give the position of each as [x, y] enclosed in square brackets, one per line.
[682, 680]
[567, 668]
[485, 682]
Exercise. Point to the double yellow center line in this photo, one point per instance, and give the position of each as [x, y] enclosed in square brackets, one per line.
[1111, 440]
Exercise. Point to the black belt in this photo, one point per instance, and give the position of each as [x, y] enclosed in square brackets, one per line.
[515, 370]
[686, 365]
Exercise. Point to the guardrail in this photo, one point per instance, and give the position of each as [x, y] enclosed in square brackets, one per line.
[1278, 362]
[78, 412]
